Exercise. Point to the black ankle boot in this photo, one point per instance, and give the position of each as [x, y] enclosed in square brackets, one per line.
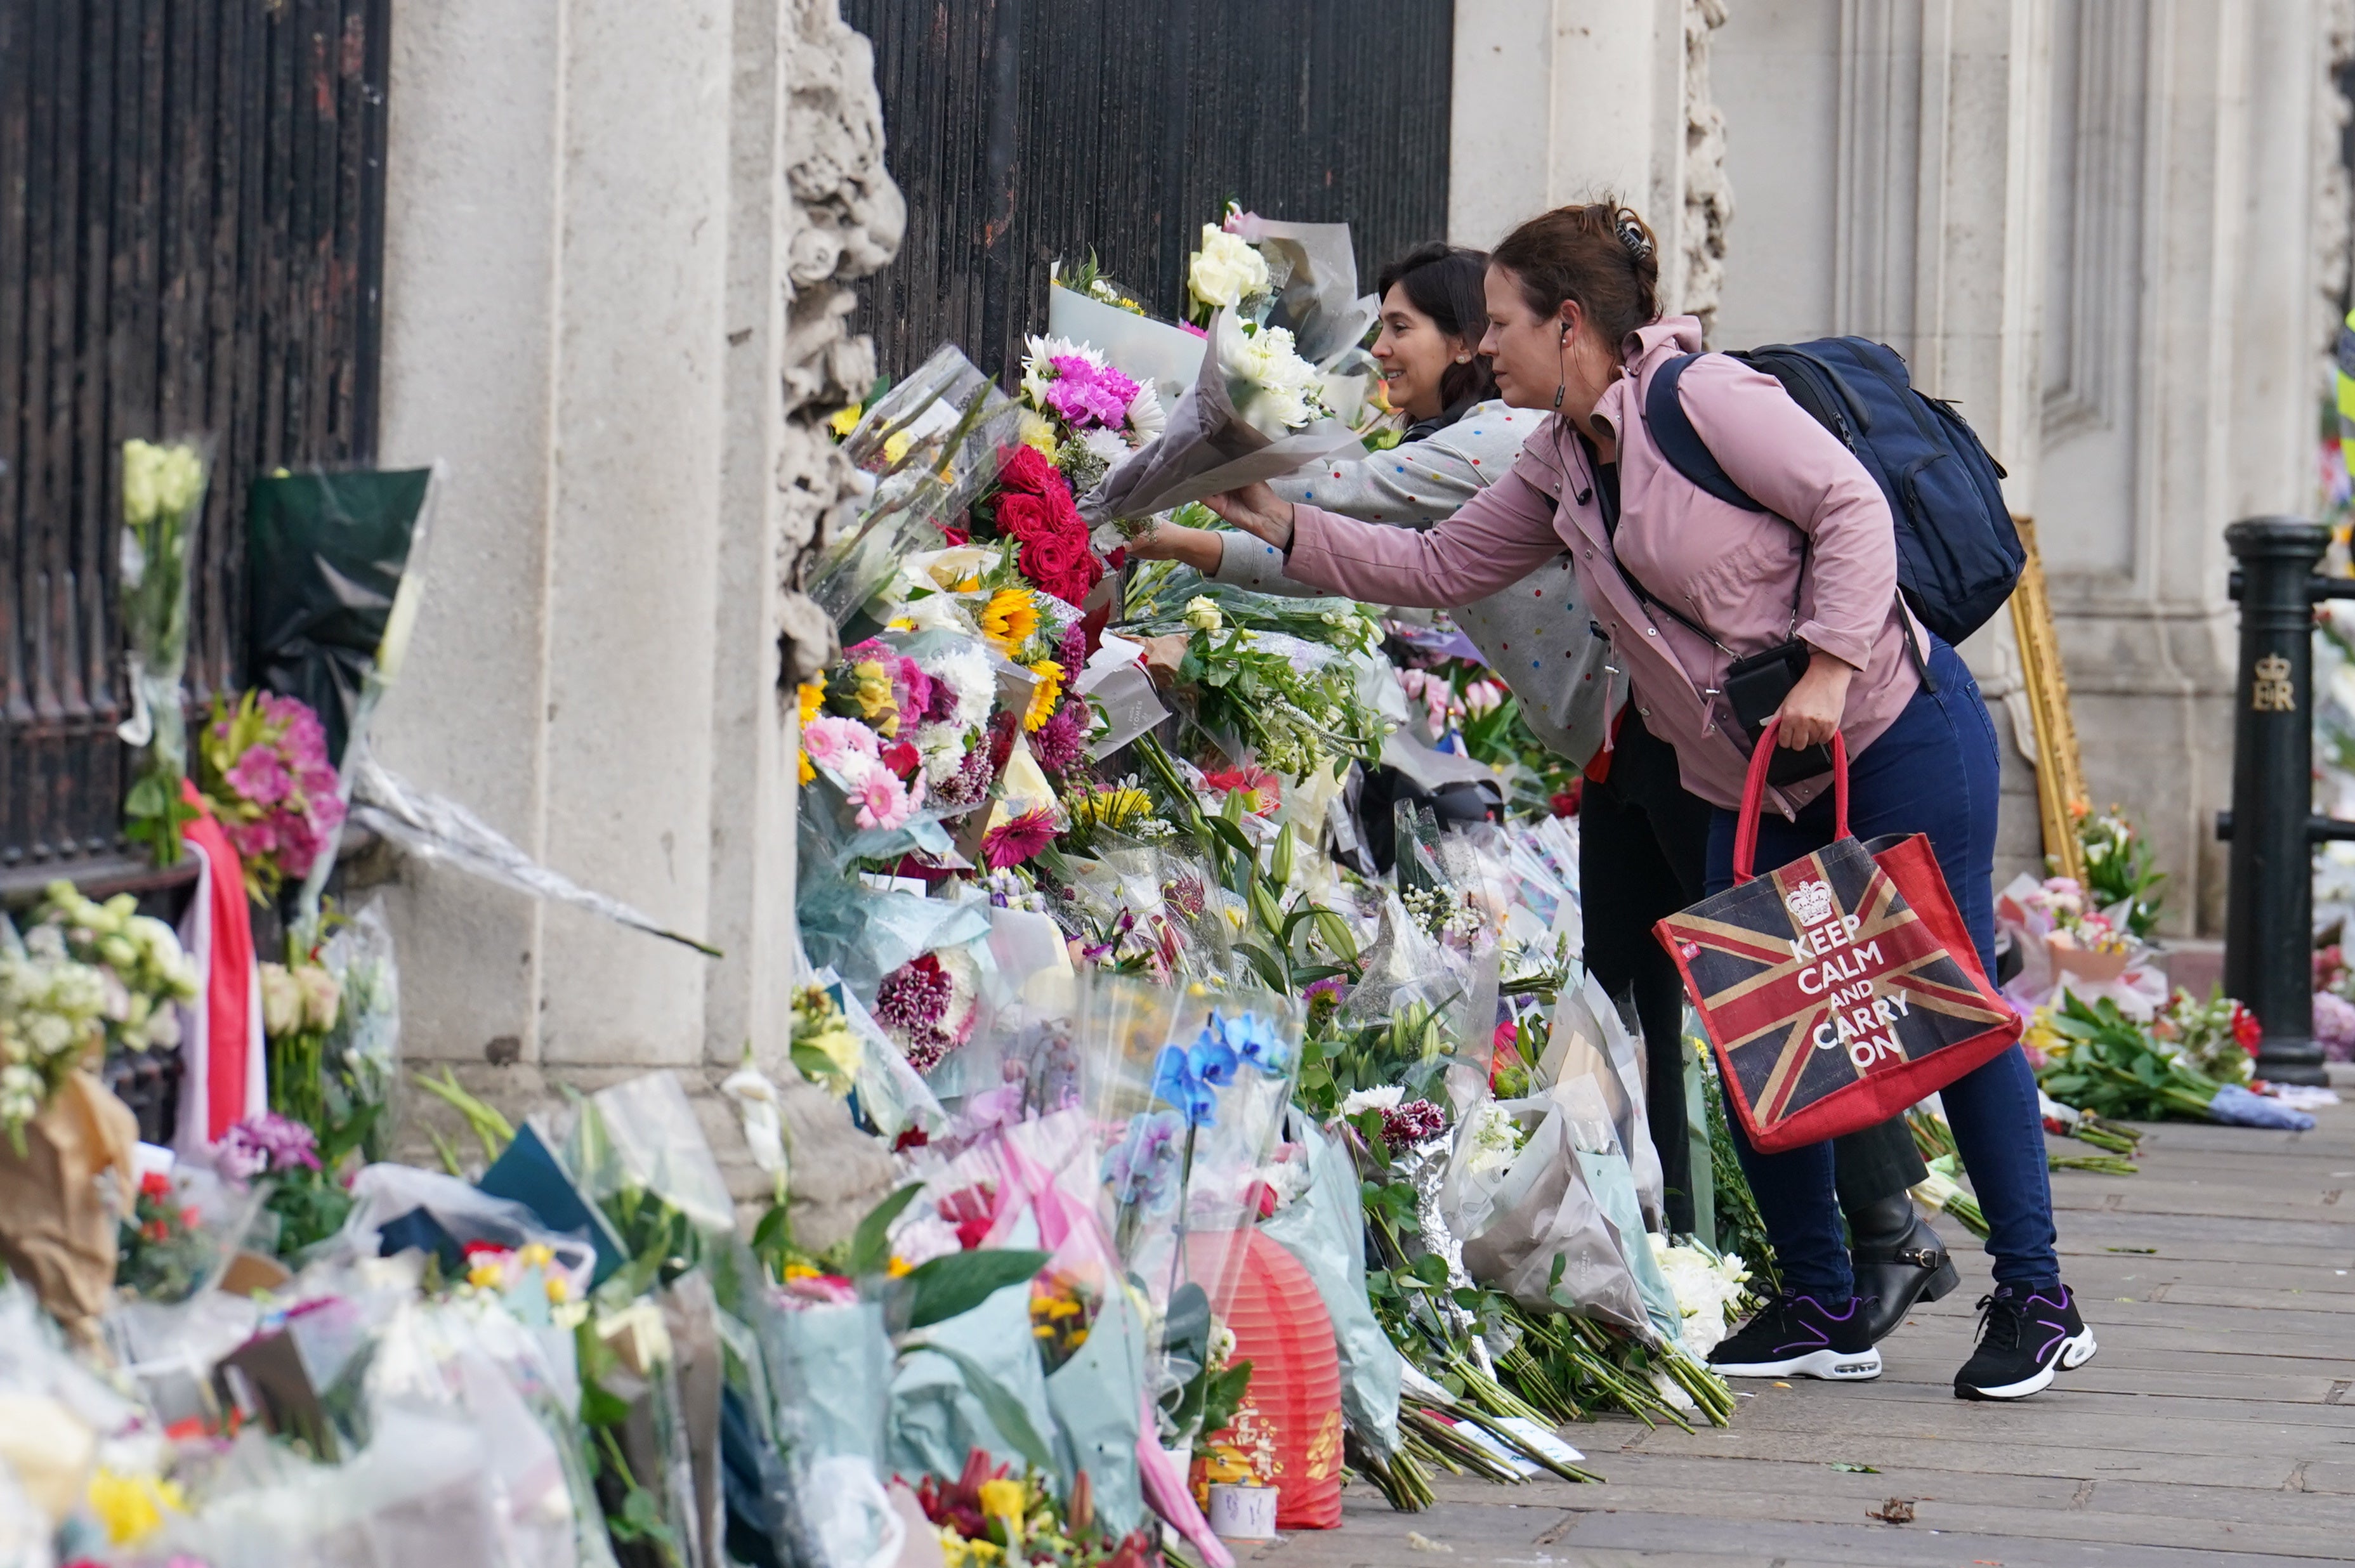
[1898, 1261]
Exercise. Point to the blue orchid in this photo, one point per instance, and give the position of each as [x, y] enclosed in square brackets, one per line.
[1252, 1038]
[1177, 1080]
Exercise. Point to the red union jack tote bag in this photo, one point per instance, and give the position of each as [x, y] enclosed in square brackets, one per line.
[1837, 991]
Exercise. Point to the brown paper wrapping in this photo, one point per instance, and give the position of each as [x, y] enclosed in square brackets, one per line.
[57, 1228]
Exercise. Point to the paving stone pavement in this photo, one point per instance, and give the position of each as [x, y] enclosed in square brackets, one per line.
[2217, 1424]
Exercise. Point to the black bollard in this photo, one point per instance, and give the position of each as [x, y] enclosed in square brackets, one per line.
[2269, 904]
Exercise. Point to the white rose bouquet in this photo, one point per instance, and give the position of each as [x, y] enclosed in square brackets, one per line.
[1227, 274]
[163, 497]
[1255, 411]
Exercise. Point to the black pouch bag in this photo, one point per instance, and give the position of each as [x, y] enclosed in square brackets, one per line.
[1755, 684]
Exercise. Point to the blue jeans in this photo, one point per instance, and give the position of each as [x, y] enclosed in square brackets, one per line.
[1934, 771]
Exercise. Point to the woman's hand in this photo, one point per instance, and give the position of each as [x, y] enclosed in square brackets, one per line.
[1810, 716]
[1197, 547]
[1257, 510]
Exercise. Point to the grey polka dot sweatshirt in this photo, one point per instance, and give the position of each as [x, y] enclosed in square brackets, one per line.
[1535, 634]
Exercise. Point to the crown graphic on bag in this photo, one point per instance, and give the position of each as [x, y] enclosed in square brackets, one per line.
[1811, 902]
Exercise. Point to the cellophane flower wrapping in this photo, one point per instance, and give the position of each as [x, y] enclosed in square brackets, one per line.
[163, 501]
[931, 445]
[1325, 1228]
[363, 1050]
[1249, 416]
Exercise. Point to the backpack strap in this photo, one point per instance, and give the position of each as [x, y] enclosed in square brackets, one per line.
[1673, 434]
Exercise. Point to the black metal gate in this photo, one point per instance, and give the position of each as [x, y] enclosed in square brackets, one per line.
[1023, 130]
[191, 204]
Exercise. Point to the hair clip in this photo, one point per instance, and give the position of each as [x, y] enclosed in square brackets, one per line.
[1632, 235]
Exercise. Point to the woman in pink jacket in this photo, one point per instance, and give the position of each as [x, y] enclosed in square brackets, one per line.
[1574, 327]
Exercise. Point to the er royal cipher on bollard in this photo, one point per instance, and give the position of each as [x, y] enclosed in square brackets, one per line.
[2269, 905]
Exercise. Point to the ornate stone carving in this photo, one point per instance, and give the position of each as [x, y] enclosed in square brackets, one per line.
[1709, 196]
[844, 221]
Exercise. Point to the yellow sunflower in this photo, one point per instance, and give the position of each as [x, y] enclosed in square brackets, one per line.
[1009, 619]
[1047, 695]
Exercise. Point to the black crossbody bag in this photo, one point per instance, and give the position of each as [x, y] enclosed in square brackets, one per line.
[1755, 684]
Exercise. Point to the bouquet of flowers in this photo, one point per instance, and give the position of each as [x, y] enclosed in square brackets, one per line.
[266, 775]
[300, 1003]
[2117, 869]
[1227, 274]
[1291, 706]
[929, 1005]
[931, 443]
[1084, 413]
[147, 978]
[163, 497]
[52, 1020]
[1255, 411]
[1031, 514]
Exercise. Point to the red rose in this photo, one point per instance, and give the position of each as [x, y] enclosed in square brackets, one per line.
[902, 759]
[1027, 473]
[1063, 565]
[1026, 517]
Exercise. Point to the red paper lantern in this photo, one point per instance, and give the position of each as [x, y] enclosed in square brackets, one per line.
[1271, 1306]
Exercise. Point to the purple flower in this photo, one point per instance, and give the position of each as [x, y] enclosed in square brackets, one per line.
[914, 996]
[1086, 395]
[1072, 653]
[1056, 743]
[264, 1144]
[1140, 1168]
[1403, 1126]
[260, 777]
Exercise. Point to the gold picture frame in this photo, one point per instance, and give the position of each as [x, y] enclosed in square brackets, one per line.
[2061, 796]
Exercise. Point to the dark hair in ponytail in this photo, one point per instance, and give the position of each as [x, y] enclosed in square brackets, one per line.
[1602, 255]
[1445, 282]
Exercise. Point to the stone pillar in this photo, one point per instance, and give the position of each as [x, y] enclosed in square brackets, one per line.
[1572, 100]
[616, 241]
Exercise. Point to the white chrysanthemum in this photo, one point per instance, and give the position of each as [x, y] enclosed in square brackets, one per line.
[1103, 443]
[942, 747]
[1492, 1137]
[1274, 387]
[1386, 1098]
[964, 671]
[1226, 269]
[1147, 418]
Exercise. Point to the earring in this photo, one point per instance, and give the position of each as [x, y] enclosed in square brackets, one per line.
[1464, 358]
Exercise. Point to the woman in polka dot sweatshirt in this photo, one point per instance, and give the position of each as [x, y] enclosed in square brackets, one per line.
[1460, 440]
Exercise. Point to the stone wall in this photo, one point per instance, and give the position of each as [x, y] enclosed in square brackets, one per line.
[618, 237]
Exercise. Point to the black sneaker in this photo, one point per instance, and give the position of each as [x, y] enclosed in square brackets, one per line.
[2023, 1340]
[1797, 1336]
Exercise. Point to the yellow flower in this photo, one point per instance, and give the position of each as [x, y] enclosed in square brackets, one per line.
[1114, 810]
[485, 1276]
[800, 1270]
[1038, 433]
[1009, 619]
[812, 694]
[1047, 695]
[898, 1266]
[559, 1287]
[1002, 1499]
[895, 447]
[132, 1507]
[845, 420]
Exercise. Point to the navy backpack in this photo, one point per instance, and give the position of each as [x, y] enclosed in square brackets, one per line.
[1958, 554]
